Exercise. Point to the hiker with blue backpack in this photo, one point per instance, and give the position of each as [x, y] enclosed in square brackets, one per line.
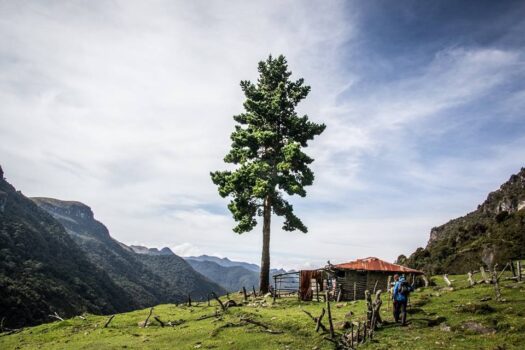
[400, 297]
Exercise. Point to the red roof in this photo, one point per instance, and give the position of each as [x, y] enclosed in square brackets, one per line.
[375, 264]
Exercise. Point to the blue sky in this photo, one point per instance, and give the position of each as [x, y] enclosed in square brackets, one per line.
[127, 106]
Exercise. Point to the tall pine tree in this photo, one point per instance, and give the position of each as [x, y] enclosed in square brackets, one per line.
[267, 148]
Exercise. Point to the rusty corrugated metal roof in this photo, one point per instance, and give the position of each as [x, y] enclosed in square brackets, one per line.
[375, 264]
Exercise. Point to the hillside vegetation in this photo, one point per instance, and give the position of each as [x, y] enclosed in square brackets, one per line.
[43, 271]
[493, 233]
[439, 318]
[148, 278]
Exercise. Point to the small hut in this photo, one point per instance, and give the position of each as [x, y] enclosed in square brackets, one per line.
[351, 279]
[348, 281]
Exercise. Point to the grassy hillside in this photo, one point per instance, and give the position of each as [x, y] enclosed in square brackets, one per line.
[437, 321]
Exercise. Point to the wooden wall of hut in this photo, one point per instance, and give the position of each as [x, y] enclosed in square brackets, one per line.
[364, 280]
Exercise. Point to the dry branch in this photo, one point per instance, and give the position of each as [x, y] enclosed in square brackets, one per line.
[109, 321]
[159, 321]
[147, 318]
[208, 316]
[318, 323]
[218, 300]
[55, 315]
[260, 324]
[322, 326]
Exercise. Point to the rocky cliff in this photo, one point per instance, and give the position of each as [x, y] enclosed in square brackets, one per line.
[493, 233]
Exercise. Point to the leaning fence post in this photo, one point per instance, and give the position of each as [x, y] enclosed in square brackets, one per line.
[518, 265]
[512, 268]
[339, 293]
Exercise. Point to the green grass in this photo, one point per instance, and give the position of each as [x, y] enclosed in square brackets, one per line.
[451, 309]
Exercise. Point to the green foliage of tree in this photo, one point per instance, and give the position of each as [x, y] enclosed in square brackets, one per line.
[267, 147]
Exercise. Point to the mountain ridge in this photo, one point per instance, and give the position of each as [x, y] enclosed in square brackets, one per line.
[43, 271]
[149, 278]
[493, 233]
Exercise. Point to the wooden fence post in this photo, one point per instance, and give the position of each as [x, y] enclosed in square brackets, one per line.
[425, 280]
[495, 282]
[368, 299]
[329, 314]
[484, 275]
[352, 336]
[355, 291]
[339, 293]
[518, 265]
[375, 286]
[470, 279]
[447, 281]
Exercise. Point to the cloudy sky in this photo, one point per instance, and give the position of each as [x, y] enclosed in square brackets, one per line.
[127, 106]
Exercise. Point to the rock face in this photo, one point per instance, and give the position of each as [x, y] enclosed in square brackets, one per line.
[147, 276]
[493, 233]
[76, 217]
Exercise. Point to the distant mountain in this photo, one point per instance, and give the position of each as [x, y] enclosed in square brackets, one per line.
[43, 271]
[147, 276]
[224, 262]
[231, 275]
[493, 233]
[151, 251]
[231, 278]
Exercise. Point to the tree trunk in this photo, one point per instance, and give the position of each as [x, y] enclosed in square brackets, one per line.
[264, 281]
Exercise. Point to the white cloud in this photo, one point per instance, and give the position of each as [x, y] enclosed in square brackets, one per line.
[187, 249]
[127, 106]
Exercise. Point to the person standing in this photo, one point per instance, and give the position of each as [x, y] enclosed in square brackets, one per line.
[400, 298]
